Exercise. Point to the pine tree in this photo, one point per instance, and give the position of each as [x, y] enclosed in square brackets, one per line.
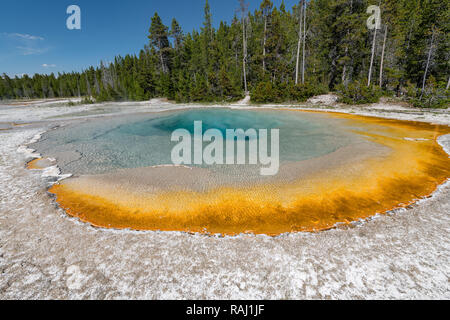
[177, 34]
[159, 38]
[318, 45]
[266, 8]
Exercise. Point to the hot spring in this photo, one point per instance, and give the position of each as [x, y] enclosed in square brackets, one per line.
[333, 169]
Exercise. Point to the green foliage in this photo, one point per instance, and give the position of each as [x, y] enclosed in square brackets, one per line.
[267, 92]
[303, 92]
[206, 65]
[431, 97]
[358, 93]
[109, 94]
[436, 100]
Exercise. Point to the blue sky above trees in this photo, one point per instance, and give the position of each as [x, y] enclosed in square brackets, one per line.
[34, 37]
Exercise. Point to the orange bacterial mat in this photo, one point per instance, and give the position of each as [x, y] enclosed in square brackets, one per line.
[415, 166]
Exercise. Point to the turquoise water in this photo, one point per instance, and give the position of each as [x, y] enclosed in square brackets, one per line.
[134, 141]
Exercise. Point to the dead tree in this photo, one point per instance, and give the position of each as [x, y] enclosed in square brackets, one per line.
[382, 56]
[372, 58]
[266, 7]
[243, 7]
[304, 42]
[300, 38]
[430, 55]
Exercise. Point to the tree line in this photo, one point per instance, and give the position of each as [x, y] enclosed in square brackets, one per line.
[276, 55]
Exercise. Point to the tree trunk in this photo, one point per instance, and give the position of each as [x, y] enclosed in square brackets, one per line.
[448, 84]
[344, 72]
[97, 86]
[304, 42]
[244, 58]
[344, 69]
[430, 53]
[161, 57]
[299, 45]
[382, 56]
[264, 45]
[373, 56]
[88, 86]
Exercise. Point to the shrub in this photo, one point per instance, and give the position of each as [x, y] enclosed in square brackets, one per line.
[358, 93]
[430, 97]
[433, 100]
[265, 92]
[109, 94]
[303, 92]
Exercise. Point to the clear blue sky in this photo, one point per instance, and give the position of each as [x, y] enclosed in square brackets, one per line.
[34, 37]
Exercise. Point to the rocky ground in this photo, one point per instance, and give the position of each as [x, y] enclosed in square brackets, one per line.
[44, 254]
